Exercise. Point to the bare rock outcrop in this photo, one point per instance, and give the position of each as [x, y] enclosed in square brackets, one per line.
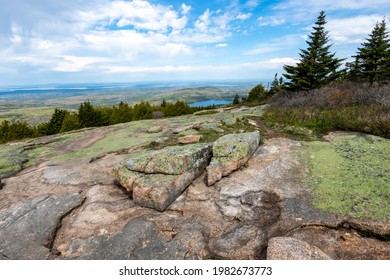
[289, 248]
[230, 152]
[28, 228]
[157, 178]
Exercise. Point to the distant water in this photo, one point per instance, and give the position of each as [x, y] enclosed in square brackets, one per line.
[210, 102]
[61, 91]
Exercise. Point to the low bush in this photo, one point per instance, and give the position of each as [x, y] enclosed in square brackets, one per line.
[339, 106]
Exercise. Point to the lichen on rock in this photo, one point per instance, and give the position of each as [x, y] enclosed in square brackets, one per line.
[157, 178]
[230, 152]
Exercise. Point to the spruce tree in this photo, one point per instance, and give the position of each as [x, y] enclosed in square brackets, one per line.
[236, 99]
[372, 60]
[317, 66]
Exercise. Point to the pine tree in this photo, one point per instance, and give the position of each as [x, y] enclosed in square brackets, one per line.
[372, 60]
[88, 116]
[236, 99]
[55, 124]
[256, 94]
[276, 85]
[317, 66]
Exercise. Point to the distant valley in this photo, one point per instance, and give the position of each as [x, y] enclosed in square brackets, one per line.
[35, 104]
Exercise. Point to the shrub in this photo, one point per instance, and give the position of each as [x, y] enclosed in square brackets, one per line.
[340, 106]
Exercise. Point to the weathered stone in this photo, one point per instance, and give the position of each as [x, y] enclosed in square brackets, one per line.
[125, 177]
[213, 126]
[155, 129]
[183, 128]
[230, 121]
[343, 243]
[158, 178]
[188, 132]
[141, 239]
[173, 160]
[242, 242]
[289, 248]
[229, 153]
[27, 229]
[189, 139]
[267, 198]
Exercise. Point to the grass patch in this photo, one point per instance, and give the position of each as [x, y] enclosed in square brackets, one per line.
[351, 176]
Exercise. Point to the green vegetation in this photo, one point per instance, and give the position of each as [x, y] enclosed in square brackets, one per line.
[340, 106]
[317, 66]
[372, 61]
[321, 98]
[89, 116]
[350, 175]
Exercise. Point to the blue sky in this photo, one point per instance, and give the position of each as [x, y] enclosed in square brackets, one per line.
[80, 41]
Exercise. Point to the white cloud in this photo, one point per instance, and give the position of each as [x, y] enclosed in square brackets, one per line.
[331, 5]
[252, 3]
[243, 16]
[203, 22]
[185, 9]
[274, 45]
[78, 63]
[269, 64]
[221, 45]
[298, 11]
[352, 29]
[271, 21]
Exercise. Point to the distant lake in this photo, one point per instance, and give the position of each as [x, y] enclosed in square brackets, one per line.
[210, 102]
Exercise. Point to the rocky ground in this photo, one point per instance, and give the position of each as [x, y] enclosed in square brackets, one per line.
[291, 200]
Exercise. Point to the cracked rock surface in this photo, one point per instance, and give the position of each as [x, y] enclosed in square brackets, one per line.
[72, 208]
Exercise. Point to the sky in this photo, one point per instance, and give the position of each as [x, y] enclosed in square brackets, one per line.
[96, 41]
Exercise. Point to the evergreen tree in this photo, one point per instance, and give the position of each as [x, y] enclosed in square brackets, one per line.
[258, 93]
[70, 122]
[236, 99]
[276, 85]
[317, 66]
[372, 60]
[55, 124]
[88, 116]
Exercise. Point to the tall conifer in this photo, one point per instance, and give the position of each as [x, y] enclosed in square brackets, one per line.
[317, 66]
[372, 61]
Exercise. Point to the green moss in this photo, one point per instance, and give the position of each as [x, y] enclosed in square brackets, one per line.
[11, 159]
[351, 176]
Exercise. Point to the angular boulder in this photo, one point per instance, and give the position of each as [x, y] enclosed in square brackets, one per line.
[173, 160]
[157, 178]
[289, 248]
[230, 152]
[189, 139]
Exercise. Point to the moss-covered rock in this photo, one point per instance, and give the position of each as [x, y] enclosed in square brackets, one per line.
[157, 178]
[172, 160]
[158, 191]
[125, 177]
[229, 153]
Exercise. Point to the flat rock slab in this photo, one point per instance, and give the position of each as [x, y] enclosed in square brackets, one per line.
[158, 178]
[289, 248]
[173, 160]
[28, 228]
[140, 239]
[230, 152]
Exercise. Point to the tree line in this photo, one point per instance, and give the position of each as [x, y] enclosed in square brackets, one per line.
[89, 116]
[318, 66]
